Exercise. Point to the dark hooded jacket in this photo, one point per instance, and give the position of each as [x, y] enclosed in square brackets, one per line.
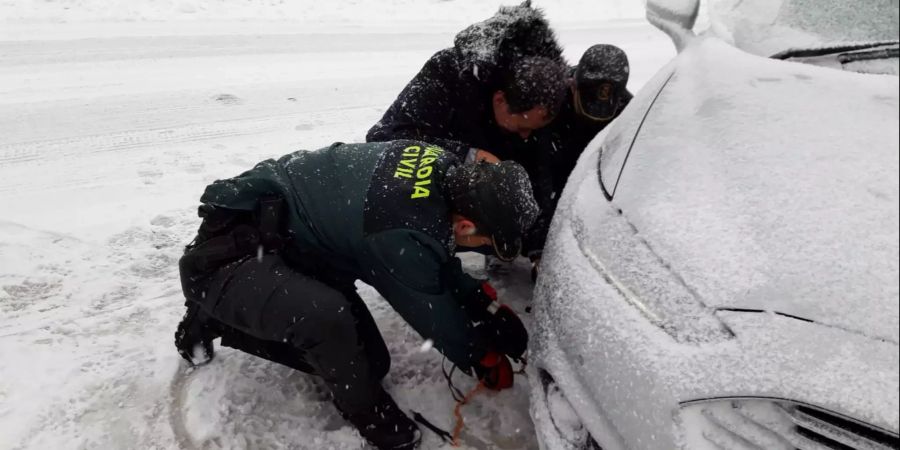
[349, 211]
[449, 102]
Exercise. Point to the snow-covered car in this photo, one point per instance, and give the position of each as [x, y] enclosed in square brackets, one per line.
[722, 270]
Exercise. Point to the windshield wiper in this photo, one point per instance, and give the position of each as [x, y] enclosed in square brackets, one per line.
[866, 55]
[813, 52]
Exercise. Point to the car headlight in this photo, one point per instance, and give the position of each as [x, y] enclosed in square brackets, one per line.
[777, 425]
[564, 418]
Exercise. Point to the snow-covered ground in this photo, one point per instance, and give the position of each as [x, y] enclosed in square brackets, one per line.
[426, 13]
[112, 120]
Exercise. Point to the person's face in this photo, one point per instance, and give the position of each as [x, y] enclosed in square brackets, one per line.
[603, 92]
[523, 123]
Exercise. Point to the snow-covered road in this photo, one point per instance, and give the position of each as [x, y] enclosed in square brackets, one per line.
[108, 134]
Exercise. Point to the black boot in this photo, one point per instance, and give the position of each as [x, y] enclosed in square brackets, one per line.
[195, 332]
[385, 426]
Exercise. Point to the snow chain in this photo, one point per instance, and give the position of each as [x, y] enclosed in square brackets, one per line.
[461, 400]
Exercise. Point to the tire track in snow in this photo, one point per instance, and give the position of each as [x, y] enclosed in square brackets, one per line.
[127, 140]
[40, 52]
[177, 396]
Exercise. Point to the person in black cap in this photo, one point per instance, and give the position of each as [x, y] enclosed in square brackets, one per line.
[273, 267]
[597, 95]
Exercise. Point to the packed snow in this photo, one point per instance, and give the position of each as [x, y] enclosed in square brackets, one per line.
[114, 117]
[422, 15]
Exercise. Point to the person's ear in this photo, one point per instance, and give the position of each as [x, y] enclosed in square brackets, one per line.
[500, 100]
[464, 227]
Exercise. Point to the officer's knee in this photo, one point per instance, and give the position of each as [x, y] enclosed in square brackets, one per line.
[326, 316]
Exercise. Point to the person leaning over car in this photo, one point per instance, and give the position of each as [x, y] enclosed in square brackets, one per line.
[437, 104]
[503, 79]
[273, 267]
[597, 95]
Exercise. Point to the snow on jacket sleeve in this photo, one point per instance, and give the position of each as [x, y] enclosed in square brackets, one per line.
[424, 109]
[429, 289]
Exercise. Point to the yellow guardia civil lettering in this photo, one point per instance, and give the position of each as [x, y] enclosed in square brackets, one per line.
[407, 164]
[424, 170]
[416, 164]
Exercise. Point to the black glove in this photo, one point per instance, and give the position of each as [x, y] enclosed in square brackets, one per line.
[504, 331]
[508, 334]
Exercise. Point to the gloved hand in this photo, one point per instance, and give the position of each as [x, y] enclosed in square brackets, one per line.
[495, 371]
[506, 332]
[509, 334]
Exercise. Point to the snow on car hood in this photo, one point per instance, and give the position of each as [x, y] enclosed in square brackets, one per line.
[771, 185]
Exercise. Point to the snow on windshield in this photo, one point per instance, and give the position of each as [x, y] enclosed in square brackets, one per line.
[766, 27]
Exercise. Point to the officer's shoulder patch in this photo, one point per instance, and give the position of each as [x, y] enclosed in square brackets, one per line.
[405, 191]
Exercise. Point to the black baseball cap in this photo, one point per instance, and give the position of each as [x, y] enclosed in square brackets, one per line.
[600, 80]
[498, 199]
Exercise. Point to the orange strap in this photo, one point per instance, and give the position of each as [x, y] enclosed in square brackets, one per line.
[457, 429]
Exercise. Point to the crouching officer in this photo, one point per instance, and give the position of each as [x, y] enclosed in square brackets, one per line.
[273, 267]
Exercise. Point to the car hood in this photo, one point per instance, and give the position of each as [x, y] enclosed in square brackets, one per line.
[770, 185]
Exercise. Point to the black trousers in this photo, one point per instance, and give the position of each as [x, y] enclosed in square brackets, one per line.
[306, 321]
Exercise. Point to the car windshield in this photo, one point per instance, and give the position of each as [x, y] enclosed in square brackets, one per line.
[770, 27]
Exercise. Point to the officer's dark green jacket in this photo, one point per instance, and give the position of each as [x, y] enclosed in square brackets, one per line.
[377, 212]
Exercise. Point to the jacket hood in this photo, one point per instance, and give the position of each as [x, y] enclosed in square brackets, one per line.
[490, 46]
